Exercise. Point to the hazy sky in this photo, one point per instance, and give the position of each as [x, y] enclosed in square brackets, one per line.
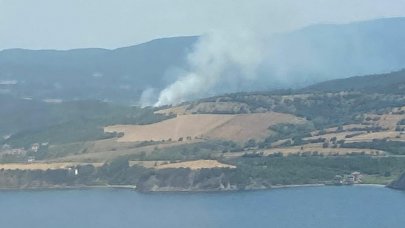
[65, 24]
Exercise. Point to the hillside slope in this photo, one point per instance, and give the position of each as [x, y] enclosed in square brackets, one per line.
[206, 126]
[380, 83]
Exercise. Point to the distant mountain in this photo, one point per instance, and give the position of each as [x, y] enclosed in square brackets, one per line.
[116, 75]
[296, 59]
[322, 52]
[380, 83]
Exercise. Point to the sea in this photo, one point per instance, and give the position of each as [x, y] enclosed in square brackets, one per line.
[312, 207]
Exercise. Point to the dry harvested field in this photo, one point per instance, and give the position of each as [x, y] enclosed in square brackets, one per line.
[339, 136]
[292, 97]
[195, 165]
[376, 135]
[43, 166]
[105, 150]
[148, 164]
[240, 127]
[218, 107]
[178, 110]
[348, 127]
[309, 148]
[205, 107]
[387, 120]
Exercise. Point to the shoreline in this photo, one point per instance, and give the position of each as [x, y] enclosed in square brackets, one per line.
[133, 187]
[297, 186]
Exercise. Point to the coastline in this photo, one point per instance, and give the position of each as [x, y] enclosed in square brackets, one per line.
[133, 187]
[297, 186]
[372, 185]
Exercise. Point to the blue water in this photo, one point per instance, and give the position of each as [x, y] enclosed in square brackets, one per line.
[313, 207]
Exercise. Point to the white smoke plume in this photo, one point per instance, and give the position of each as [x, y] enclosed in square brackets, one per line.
[148, 97]
[223, 62]
[218, 59]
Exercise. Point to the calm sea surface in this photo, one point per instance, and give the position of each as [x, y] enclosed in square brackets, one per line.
[323, 207]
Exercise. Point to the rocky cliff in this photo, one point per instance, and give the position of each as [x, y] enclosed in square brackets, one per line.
[399, 183]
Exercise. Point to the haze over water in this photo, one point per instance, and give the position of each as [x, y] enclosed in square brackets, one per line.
[299, 207]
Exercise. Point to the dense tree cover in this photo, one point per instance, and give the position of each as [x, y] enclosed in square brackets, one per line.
[19, 114]
[322, 109]
[192, 151]
[35, 178]
[288, 131]
[393, 82]
[314, 169]
[250, 171]
[115, 172]
[333, 110]
[402, 122]
[69, 121]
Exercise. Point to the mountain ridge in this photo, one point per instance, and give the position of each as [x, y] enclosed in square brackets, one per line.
[393, 82]
[122, 75]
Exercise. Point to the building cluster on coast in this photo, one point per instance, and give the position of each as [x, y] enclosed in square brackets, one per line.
[353, 178]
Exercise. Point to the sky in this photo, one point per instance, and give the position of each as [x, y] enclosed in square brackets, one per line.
[68, 24]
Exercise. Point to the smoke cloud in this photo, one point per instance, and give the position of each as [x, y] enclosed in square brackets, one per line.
[148, 97]
[242, 60]
[218, 59]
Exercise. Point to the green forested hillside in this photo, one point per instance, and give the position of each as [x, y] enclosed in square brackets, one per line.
[28, 121]
[348, 125]
[380, 83]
